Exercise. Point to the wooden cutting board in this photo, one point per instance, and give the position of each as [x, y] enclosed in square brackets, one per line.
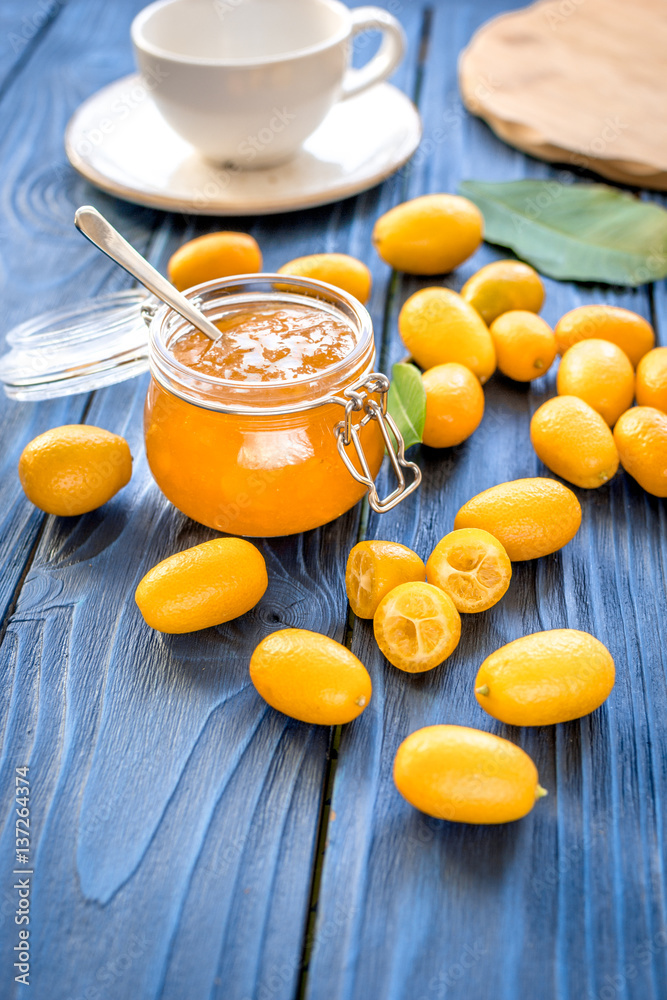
[582, 82]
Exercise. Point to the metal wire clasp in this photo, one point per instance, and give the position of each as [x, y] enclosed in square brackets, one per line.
[358, 397]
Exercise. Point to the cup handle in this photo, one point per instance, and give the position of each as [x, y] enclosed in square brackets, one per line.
[389, 55]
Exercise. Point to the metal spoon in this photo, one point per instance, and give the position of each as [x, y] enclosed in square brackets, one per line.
[100, 232]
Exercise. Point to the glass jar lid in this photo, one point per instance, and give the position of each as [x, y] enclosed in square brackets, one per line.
[99, 342]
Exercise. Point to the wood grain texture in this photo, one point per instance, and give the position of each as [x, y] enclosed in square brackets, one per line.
[23, 27]
[44, 263]
[175, 815]
[570, 902]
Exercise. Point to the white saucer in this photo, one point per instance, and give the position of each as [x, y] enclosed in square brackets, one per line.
[119, 142]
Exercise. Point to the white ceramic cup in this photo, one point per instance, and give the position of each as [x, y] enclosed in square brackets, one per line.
[247, 81]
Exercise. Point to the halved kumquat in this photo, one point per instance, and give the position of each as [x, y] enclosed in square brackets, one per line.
[472, 567]
[417, 627]
[374, 568]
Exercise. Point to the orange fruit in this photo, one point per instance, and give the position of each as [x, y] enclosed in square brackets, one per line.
[466, 775]
[545, 678]
[337, 269]
[600, 373]
[215, 255]
[74, 469]
[310, 677]
[472, 567]
[374, 568]
[629, 331]
[529, 517]
[454, 405]
[641, 438]
[417, 626]
[203, 586]
[573, 440]
[652, 379]
[502, 286]
[437, 327]
[432, 234]
[525, 345]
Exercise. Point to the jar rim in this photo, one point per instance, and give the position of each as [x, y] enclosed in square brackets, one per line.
[232, 395]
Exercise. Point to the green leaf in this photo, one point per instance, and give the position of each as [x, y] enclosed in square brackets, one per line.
[582, 232]
[406, 402]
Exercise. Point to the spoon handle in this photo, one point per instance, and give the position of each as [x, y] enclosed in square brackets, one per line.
[100, 232]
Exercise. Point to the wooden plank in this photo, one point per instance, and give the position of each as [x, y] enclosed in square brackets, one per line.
[23, 27]
[177, 815]
[44, 262]
[569, 902]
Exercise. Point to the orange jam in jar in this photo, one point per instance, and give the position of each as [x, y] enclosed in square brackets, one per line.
[269, 344]
[241, 433]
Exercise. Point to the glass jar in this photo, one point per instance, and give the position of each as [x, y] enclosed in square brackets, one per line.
[248, 458]
[267, 458]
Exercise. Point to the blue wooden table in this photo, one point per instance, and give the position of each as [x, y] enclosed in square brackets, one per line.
[188, 842]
